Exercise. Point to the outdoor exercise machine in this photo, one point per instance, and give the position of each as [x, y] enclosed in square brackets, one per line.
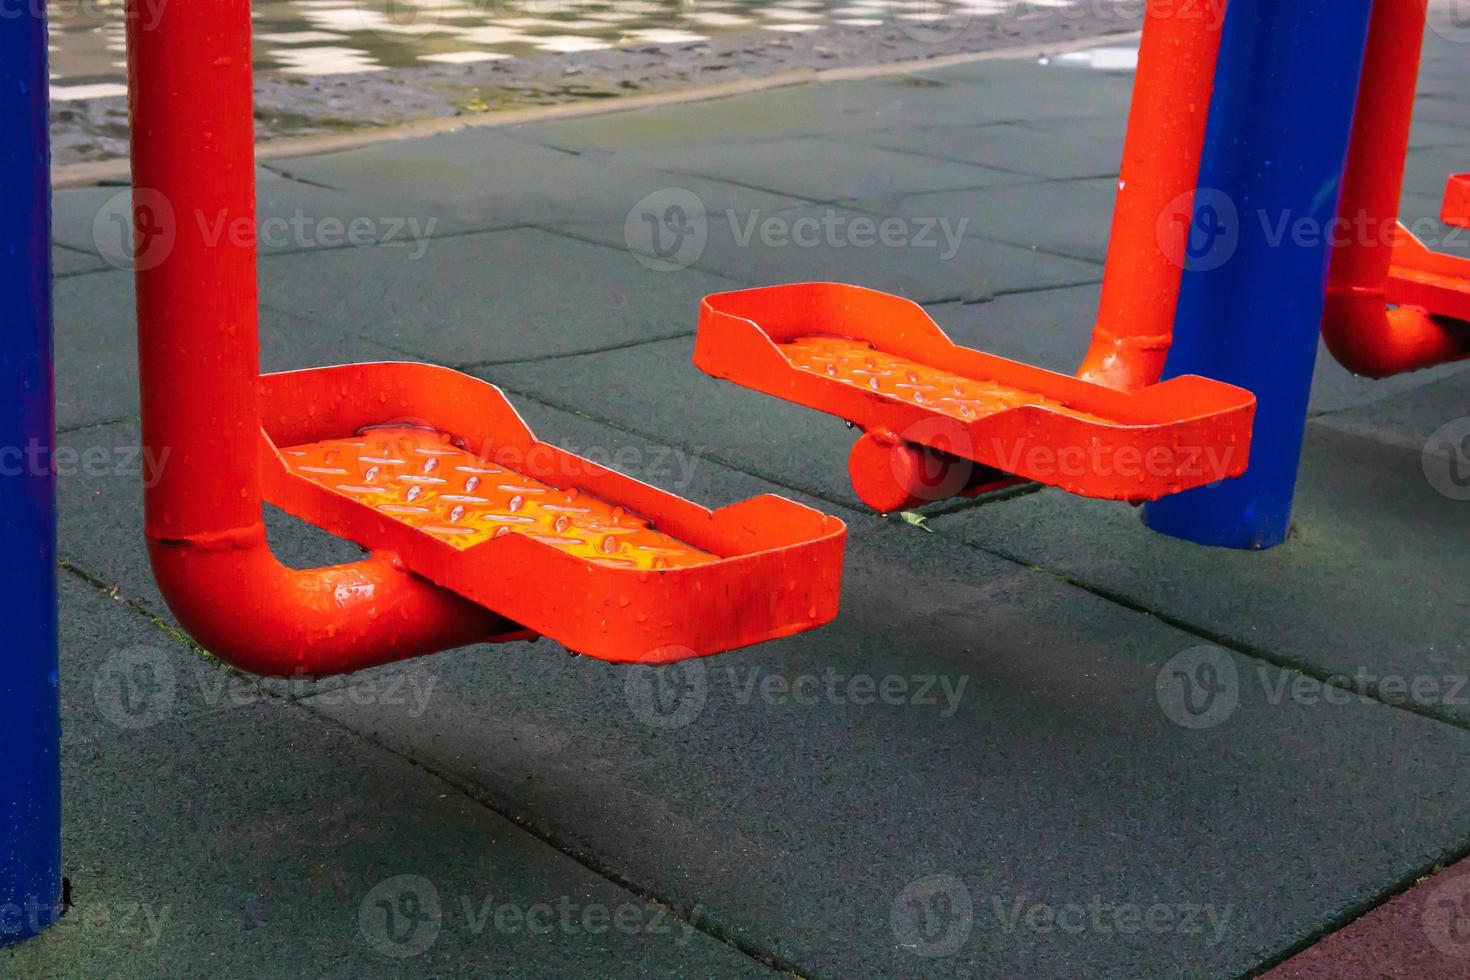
[941, 420]
[1189, 293]
[1393, 305]
[477, 530]
[1251, 301]
[30, 723]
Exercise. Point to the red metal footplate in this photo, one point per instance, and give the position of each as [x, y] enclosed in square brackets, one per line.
[438, 468]
[942, 420]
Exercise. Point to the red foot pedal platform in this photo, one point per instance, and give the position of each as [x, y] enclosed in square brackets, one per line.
[1456, 209]
[437, 467]
[1433, 281]
[931, 410]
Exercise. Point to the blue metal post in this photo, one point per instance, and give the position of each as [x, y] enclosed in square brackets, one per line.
[1251, 300]
[30, 728]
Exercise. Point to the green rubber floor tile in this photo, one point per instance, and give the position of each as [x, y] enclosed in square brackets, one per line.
[1068, 218]
[1008, 147]
[1108, 128]
[484, 179]
[291, 216]
[1420, 214]
[70, 262]
[999, 754]
[1439, 108]
[258, 839]
[1370, 586]
[1426, 170]
[101, 471]
[820, 169]
[495, 296]
[1052, 328]
[1047, 327]
[1031, 90]
[654, 390]
[1428, 135]
[97, 343]
[926, 257]
[826, 109]
[1427, 418]
[1417, 935]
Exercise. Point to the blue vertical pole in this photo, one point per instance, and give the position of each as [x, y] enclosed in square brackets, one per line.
[1251, 299]
[30, 728]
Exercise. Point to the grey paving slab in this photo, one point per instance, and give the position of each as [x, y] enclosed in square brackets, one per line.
[96, 347]
[926, 257]
[482, 179]
[1006, 146]
[210, 831]
[495, 296]
[292, 216]
[815, 168]
[1068, 217]
[1369, 586]
[858, 835]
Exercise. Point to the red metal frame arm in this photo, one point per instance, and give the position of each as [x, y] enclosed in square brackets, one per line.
[1362, 332]
[194, 213]
[1161, 161]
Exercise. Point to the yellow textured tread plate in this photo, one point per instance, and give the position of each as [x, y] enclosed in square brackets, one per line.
[419, 477]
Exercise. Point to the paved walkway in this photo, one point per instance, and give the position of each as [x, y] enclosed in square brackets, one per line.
[1032, 795]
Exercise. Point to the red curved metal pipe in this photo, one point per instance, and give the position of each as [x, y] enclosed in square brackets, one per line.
[1156, 184]
[1361, 331]
[198, 355]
